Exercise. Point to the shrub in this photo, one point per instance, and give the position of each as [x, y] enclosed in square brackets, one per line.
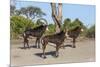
[91, 32]
[18, 24]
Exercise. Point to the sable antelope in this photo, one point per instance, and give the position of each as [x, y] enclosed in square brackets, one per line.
[74, 34]
[57, 39]
[35, 32]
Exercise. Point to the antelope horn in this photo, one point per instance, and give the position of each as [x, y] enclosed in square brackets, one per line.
[42, 19]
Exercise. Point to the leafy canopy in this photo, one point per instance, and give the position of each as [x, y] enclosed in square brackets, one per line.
[72, 25]
[18, 24]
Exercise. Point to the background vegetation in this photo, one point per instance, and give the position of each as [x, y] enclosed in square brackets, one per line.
[25, 18]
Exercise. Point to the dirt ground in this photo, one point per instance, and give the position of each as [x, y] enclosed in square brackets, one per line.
[84, 52]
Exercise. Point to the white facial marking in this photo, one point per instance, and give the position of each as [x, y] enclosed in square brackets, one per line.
[47, 28]
[82, 30]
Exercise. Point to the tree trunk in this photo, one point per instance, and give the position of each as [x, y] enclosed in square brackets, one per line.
[57, 18]
[60, 13]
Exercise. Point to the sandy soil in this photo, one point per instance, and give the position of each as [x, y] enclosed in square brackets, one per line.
[84, 52]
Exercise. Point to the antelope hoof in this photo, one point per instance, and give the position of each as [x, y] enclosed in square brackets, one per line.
[44, 57]
[28, 47]
[56, 56]
[24, 47]
[73, 46]
[38, 47]
[63, 47]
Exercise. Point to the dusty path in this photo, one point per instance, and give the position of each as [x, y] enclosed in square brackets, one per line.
[84, 52]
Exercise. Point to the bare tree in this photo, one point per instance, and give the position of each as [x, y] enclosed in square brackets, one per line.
[57, 15]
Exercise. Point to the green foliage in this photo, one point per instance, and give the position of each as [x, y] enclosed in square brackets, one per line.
[31, 12]
[66, 24]
[88, 32]
[72, 25]
[18, 24]
[51, 28]
[76, 23]
[91, 32]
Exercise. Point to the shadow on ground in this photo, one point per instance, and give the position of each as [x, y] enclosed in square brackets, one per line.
[63, 47]
[27, 47]
[52, 53]
[68, 45]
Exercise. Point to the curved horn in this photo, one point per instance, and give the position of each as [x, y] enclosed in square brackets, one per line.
[42, 19]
